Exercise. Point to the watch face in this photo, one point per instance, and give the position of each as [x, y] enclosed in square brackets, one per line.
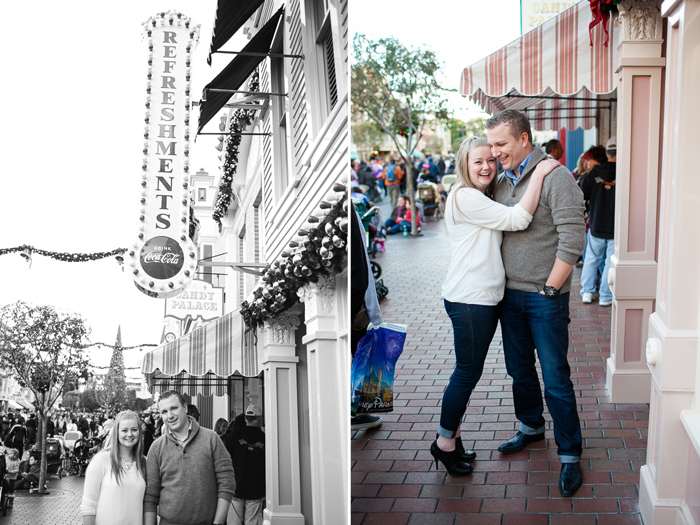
[169, 337]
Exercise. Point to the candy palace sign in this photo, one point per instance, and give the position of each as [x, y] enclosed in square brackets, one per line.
[163, 258]
[200, 299]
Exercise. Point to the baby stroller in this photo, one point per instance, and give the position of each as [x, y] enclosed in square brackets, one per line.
[431, 199]
[54, 457]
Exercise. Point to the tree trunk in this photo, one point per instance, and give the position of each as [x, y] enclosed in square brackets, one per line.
[42, 476]
[410, 190]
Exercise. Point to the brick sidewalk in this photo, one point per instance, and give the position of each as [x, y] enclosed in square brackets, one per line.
[60, 507]
[394, 477]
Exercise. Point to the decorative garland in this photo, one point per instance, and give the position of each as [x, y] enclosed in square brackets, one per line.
[241, 119]
[322, 252]
[59, 256]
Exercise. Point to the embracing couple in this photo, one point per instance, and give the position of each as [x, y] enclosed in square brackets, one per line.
[522, 277]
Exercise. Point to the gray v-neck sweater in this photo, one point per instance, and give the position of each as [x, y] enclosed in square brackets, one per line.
[557, 229]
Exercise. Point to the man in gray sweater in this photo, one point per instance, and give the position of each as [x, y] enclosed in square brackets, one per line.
[189, 474]
[535, 308]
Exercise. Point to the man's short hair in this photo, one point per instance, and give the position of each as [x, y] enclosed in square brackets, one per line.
[171, 393]
[516, 121]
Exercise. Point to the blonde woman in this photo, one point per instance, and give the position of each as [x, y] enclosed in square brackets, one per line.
[475, 281]
[115, 481]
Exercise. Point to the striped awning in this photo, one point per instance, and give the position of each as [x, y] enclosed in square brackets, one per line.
[204, 358]
[549, 72]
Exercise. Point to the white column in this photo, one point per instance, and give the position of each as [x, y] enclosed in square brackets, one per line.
[282, 481]
[633, 268]
[668, 480]
[329, 406]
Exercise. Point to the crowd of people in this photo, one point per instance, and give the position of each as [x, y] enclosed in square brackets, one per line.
[374, 180]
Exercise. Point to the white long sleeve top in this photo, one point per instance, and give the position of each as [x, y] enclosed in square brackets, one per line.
[110, 503]
[475, 224]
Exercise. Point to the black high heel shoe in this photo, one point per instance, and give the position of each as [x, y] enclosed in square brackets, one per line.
[453, 463]
[465, 455]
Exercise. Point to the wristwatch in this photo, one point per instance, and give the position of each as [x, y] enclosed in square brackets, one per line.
[550, 291]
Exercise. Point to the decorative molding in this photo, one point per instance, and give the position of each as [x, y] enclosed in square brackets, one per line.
[640, 19]
[280, 330]
[318, 296]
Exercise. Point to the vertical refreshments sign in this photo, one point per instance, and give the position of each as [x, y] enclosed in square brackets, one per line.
[163, 258]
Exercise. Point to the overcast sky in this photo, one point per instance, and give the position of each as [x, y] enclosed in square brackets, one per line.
[460, 32]
[73, 95]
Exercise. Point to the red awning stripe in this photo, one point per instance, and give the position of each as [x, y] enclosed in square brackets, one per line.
[555, 59]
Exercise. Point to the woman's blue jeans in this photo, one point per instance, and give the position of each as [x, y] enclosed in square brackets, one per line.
[395, 227]
[473, 326]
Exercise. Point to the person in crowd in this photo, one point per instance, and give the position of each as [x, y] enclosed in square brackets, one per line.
[366, 178]
[554, 149]
[592, 157]
[84, 426]
[73, 425]
[149, 429]
[50, 427]
[426, 174]
[434, 170]
[193, 411]
[599, 190]
[220, 426]
[17, 436]
[29, 472]
[475, 282]
[535, 307]
[392, 176]
[247, 448]
[377, 170]
[115, 480]
[580, 168]
[172, 485]
[441, 167]
[31, 430]
[401, 216]
[12, 463]
[4, 426]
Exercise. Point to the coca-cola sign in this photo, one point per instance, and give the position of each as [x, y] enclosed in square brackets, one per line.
[162, 257]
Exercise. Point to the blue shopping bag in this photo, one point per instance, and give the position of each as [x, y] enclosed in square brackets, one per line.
[372, 374]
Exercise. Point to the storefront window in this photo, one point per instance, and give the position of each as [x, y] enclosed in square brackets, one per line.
[244, 391]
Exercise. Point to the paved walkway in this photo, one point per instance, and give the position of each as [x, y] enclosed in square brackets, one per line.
[394, 479]
[60, 507]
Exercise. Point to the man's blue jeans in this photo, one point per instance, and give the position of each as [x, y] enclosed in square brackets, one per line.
[529, 321]
[597, 251]
[473, 328]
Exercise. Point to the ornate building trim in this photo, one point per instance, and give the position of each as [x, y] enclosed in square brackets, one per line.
[318, 297]
[640, 19]
[281, 330]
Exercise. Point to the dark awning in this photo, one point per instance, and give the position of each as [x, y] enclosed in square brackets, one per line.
[237, 71]
[230, 17]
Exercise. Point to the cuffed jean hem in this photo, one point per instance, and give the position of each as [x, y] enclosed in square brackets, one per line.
[448, 434]
[529, 431]
[569, 459]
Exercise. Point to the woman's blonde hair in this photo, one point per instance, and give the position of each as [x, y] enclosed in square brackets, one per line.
[139, 459]
[581, 165]
[462, 166]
